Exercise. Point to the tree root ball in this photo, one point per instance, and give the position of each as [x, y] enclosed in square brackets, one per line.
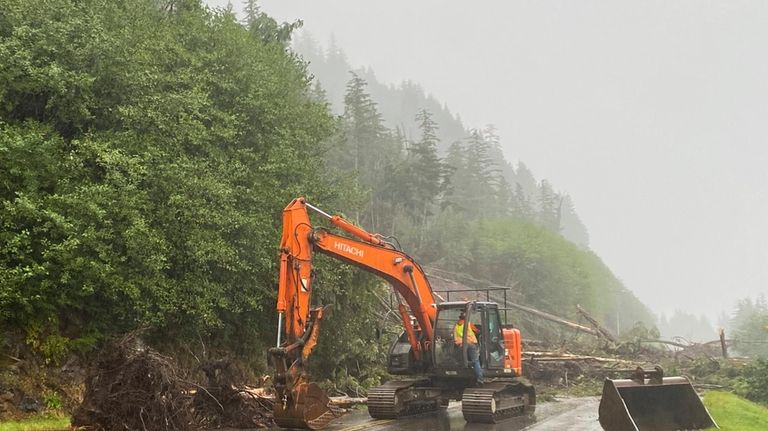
[132, 387]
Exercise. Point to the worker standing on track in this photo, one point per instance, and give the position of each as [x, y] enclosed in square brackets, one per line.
[473, 351]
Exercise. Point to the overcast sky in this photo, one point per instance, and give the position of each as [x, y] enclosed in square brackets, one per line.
[652, 115]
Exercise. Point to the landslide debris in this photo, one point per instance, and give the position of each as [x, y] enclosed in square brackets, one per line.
[131, 386]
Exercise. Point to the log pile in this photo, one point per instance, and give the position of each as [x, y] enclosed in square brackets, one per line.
[557, 368]
[227, 403]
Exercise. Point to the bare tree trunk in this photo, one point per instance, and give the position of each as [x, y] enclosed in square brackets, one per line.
[604, 332]
[555, 319]
[722, 343]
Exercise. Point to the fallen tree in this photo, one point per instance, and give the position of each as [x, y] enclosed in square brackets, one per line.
[133, 387]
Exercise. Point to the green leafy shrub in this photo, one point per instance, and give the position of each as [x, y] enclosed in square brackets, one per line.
[754, 385]
[52, 401]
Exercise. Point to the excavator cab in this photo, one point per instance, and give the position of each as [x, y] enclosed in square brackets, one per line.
[497, 347]
[504, 392]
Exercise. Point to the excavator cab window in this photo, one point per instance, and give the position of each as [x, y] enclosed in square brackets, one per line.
[495, 340]
[447, 351]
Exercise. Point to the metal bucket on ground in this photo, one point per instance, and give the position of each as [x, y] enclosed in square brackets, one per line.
[648, 401]
[308, 407]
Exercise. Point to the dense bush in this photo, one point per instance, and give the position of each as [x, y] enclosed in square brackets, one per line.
[754, 385]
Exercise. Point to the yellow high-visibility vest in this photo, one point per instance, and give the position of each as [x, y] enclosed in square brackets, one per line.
[459, 334]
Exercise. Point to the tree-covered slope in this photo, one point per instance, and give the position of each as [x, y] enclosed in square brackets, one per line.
[146, 151]
[144, 167]
[399, 104]
[457, 212]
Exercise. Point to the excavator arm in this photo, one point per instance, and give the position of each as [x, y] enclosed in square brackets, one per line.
[300, 403]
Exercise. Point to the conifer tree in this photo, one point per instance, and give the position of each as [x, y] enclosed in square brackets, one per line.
[482, 172]
[521, 205]
[455, 169]
[427, 171]
[549, 207]
[572, 228]
[265, 27]
[368, 148]
[363, 124]
[527, 181]
[427, 166]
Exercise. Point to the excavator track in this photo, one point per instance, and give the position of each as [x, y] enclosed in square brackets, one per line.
[397, 399]
[496, 401]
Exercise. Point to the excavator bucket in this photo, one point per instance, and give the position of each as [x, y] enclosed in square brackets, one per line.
[648, 401]
[300, 403]
[307, 407]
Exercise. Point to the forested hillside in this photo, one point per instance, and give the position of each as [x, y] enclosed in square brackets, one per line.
[144, 167]
[454, 201]
[400, 104]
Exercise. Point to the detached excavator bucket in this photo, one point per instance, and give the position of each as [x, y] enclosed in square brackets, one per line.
[307, 407]
[651, 402]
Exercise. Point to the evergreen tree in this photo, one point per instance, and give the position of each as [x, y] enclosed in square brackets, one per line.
[267, 28]
[364, 128]
[368, 149]
[521, 205]
[426, 172]
[527, 181]
[550, 206]
[750, 324]
[479, 190]
[455, 172]
[572, 227]
[427, 166]
[504, 198]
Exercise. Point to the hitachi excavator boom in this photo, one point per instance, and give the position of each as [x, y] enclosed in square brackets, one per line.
[300, 403]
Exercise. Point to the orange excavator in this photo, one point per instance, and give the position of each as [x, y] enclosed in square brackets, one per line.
[431, 352]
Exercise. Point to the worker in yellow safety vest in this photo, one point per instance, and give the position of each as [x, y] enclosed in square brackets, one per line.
[473, 352]
[458, 331]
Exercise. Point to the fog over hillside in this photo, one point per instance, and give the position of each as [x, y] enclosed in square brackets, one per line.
[650, 115]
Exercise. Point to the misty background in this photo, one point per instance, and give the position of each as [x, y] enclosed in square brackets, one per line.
[650, 115]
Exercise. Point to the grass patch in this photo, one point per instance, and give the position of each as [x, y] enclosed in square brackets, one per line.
[37, 423]
[733, 413]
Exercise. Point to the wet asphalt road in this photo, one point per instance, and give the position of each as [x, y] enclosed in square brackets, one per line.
[563, 414]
